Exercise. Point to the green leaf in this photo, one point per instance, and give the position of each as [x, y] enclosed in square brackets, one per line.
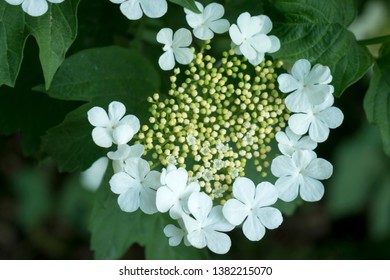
[27, 112]
[377, 99]
[189, 4]
[103, 72]
[359, 163]
[13, 36]
[317, 31]
[54, 32]
[100, 76]
[114, 231]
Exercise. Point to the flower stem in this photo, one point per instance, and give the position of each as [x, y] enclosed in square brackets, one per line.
[374, 41]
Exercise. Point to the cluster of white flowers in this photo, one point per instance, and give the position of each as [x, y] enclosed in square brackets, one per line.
[198, 222]
[310, 99]
[34, 8]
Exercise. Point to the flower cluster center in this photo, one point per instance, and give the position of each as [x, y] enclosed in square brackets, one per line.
[216, 120]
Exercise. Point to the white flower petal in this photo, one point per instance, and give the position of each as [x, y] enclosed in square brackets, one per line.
[260, 42]
[14, 2]
[305, 143]
[148, 201]
[191, 225]
[122, 134]
[298, 101]
[56, 1]
[176, 180]
[300, 123]
[319, 168]
[235, 211]
[131, 121]
[270, 217]
[302, 159]
[93, 176]
[197, 239]
[165, 199]
[154, 9]
[102, 137]
[213, 11]
[259, 58]
[121, 153]
[282, 166]
[265, 24]
[317, 94]
[200, 204]
[137, 168]
[244, 190]
[319, 74]
[266, 194]
[253, 229]
[287, 188]
[116, 110]
[164, 36]
[182, 38]
[35, 8]
[131, 9]
[97, 116]
[275, 44]
[121, 182]
[311, 189]
[167, 61]
[332, 117]
[247, 50]
[184, 55]
[318, 131]
[175, 235]
[152, 180]
[301, 69]
[129, 201]
[203, 33]
[287, 83]
[235, 35]
[217, 221]
[218, 242]
[219, 26]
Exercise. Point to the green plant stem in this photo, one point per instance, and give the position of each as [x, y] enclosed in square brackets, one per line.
[374, 41]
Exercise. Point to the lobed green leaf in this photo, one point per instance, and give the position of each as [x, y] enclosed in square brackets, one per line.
[54, 32]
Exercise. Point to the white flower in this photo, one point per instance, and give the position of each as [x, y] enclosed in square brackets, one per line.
[250, 39]
[301, 173]
[123, 153]
[317, 120]
[176, 47]
[176, 234]
[289, 142]
[93, 176]
[307, 86]
[208, 175]
[218, 164]
[191, 139]
[165, 172]
[207, 225]
[34, 8]
[134, 9]
[136, 187]
[252, 205]
[173, 197]
[208, 21]
[112, 128]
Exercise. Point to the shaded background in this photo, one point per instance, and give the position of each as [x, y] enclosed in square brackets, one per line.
[44, 214]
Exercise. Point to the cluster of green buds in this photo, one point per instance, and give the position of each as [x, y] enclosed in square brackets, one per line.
[218, 118]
